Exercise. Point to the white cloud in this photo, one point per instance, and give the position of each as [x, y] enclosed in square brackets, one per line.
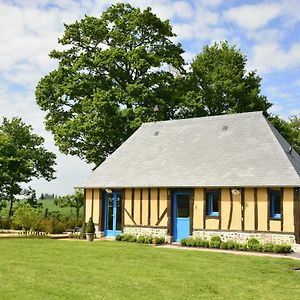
[269, 56]
[253, 17]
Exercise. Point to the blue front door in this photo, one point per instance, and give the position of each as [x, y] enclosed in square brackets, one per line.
[181, 215]
[112, 216]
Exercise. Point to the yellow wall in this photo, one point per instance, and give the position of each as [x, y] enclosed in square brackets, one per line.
[145, 207]
[163, 205]
[96, 206]
[127, 203]
[225, 207]
[88, 204]
[262, 207]
[288, 210]
[154, 197]
[137, 201]
[249, 223]
[198, 210]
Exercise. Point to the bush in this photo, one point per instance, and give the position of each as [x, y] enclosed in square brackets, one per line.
[129, 238]
[224, 245]
[90, 227]
[141, 239]
[158, 240]
[268, 247]
[148, 240]
[5, 223]
[183, 242]
[118, 237]
[27, 217]
[283, 248]
[82, 232]
[253, 244]
[231, 245]
[215, 241]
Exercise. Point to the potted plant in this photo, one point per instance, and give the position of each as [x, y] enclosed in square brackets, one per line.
[90, 230]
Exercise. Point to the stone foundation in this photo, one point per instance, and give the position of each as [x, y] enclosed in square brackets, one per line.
[242, 236]
[153, 231]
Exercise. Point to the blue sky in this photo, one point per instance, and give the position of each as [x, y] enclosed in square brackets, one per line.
[268, 32]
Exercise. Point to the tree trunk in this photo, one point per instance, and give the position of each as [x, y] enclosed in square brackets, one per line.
[10, 213]
[77, 213]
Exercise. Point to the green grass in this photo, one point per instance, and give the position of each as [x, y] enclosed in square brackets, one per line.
[49, 269]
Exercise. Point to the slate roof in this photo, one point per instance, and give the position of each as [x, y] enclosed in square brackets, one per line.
[219, 151]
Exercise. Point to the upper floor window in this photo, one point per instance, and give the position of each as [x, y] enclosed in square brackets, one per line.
[212, 203]
[275, 204]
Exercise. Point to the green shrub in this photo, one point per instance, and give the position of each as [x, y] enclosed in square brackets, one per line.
[148, 240]
[118, 237]
[231, 245]
[215, 238]
[82, 232]
[215, 242]
[268, 247]
[158, 240]
[27, 217]
[6, 223]
[141, 239]
[283, 248]
[252, 241]
[224, 245]
[253, 244]
[259, 248]
[90, 226]
[183, 242]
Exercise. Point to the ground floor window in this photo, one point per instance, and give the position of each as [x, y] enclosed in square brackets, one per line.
[212, 203]
[275, 204]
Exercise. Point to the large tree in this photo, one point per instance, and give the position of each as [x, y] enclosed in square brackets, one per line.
[219, 83]
[22, 158]
[114, 70]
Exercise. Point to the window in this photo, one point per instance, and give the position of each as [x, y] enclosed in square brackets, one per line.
[212, 203]
[275, 204]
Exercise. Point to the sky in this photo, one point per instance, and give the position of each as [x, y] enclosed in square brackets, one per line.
[267, 32]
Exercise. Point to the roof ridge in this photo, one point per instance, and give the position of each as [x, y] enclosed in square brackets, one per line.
[205, 118]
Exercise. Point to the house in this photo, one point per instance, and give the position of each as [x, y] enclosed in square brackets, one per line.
[230, 175]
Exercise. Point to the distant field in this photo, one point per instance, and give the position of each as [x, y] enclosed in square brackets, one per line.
[49, 203]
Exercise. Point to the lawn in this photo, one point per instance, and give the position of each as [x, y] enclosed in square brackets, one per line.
[53, 269]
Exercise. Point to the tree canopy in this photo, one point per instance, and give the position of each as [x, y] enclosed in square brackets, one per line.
[115, 69]
[22, 158]
[219, 83]
[112, 74]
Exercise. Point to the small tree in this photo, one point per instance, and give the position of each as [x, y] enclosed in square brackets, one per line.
[27, 217]
[74, 201]
[22, 157]
[90, 227]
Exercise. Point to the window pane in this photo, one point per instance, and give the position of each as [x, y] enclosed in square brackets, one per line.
[275, 205]
[119, 200]
[110, 211]
[183, 206]
[212, 203]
